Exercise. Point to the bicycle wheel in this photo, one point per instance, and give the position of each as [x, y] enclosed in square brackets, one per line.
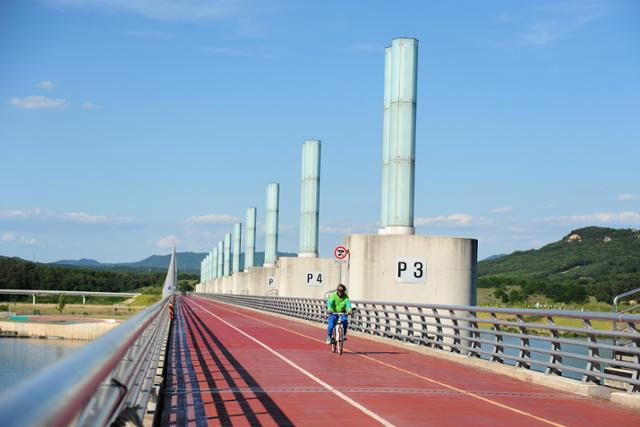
[333, 339]
[339, 337]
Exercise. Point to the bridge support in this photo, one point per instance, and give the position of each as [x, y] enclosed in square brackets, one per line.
[34, 298]
[84, 300]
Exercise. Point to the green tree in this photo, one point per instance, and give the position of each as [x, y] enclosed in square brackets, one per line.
[61, 303]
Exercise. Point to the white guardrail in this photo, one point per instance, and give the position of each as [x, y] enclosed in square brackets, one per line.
[544, 340]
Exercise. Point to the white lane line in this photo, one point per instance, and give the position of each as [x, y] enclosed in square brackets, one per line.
[302, 370]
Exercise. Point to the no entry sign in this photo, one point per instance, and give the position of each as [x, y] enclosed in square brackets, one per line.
[340, 252]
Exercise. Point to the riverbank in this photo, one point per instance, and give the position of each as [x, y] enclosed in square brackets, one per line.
[49, 327]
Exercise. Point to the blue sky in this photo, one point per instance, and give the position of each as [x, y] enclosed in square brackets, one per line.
[127, 125]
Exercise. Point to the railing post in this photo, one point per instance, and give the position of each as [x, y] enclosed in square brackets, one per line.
[410, 333]
[454, 348]
[524, 345]
[424, 331]
[632, 388]
[593, 352]
[387, 322]
[439, 337]
[475, 334]
[554, 359]
[498, 349]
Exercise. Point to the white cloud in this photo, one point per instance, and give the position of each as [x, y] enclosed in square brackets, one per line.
[90, 106]
[502, 209]
[168, 10]
[560, 19]
[345, 229]
[36, 102]
[212, 219]
[602, 218]
[77, 217]
[46, 85]
[16, 213]
[28, 240]
[453, 219]
[167, 241]
[626, 197]
[85, 218]
[8, 237]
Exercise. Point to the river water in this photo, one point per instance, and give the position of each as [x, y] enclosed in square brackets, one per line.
[23, 357]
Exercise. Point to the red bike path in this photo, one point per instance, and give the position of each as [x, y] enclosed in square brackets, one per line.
[232, 366]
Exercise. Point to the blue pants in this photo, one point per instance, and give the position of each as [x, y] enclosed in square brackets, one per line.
[333, 318]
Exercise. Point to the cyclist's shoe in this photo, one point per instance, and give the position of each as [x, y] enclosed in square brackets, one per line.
[328, 341]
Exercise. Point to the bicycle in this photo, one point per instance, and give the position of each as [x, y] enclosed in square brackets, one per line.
[337, 333]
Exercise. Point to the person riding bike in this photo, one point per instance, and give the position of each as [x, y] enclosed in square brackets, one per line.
[338, 302]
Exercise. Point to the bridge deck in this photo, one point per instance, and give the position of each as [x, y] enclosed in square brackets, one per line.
[228, 365]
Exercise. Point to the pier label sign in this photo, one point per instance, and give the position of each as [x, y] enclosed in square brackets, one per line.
[314, 278]
[410, 270]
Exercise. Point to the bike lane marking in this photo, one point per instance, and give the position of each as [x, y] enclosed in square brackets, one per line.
[431, 380]
[301, 369]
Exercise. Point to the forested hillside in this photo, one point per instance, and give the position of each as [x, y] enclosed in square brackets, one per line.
[596, 261]
[16, 273]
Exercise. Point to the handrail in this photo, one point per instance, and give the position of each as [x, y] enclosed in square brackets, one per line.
[56, 396]
[523, 339]
[623, 295]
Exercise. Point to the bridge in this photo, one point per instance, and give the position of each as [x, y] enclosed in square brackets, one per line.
[251, 360]
[83, 294]
[247, 348]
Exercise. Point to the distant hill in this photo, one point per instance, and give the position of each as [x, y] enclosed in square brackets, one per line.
[605, 261]
[492, 257]
[187, 262]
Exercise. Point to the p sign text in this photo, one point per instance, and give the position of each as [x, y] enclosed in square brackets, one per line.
[410, 270]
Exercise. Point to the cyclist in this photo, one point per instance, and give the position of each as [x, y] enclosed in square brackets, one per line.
[338, 302]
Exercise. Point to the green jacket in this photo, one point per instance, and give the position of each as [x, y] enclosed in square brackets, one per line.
[335, 304]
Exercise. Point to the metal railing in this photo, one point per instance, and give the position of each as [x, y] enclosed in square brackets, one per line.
[110, 379]
[563, 343]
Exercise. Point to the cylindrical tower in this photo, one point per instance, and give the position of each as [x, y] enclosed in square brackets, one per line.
[250, 239]
[214, 262]
[310, 199]
[271, 246]
[227, 255]
[402, 135]
[220, 268]
[237, 231]
[384, 187]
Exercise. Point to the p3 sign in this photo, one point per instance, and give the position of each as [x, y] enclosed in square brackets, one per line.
[271, 282]
[314, 278]
[410, 270]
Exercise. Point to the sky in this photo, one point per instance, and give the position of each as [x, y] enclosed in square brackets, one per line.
[130, 125]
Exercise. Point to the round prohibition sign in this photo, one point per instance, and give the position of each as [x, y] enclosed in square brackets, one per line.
[340, 252]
